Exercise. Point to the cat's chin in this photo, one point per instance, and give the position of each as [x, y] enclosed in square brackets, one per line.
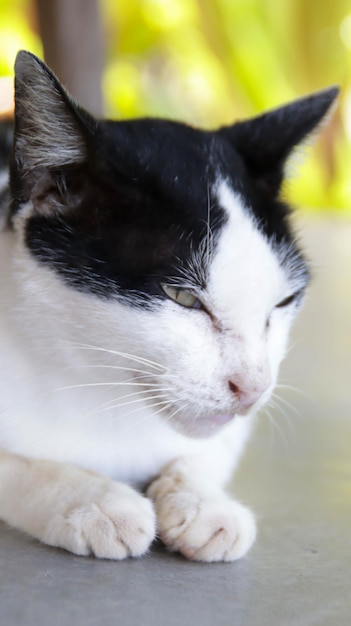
[202, 427]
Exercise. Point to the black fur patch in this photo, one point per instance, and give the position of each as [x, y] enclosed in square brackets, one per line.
[134, 215]
[4, 204]
[6, 141]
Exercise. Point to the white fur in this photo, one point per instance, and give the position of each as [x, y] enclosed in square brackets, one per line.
[66, 386]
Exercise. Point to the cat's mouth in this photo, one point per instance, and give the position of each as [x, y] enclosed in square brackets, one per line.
[218, 420]
[211, 424]
[204, 425]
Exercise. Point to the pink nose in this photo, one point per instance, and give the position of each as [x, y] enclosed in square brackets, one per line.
[247, 396]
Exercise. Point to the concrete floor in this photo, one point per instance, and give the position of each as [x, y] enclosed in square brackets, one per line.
[296, 475]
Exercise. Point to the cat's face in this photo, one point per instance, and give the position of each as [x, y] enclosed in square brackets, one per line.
[221, 355]
[173, 236]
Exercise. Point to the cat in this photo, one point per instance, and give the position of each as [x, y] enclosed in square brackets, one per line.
[149, 278]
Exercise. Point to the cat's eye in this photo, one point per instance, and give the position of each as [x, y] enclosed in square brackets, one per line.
[182, 297]
[287, 301]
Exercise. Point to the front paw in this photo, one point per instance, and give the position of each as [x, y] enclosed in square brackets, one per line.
[203, 528]
[117, 523]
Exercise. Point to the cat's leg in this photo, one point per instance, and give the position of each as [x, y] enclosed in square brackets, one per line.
[196, 517]
[71, 508]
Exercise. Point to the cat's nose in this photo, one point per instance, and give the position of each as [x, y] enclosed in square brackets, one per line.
[247, 395]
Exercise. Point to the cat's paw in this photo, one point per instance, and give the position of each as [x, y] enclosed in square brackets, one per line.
[117, 523]
[204, 528]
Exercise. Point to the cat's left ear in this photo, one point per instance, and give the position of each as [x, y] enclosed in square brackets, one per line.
[265, 142]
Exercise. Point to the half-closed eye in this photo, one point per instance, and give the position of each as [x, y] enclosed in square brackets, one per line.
[182, 297]
[289, 300]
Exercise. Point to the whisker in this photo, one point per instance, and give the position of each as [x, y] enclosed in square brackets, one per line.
[287, 404]
[132, 357]
[105, 406]
[151, 406]
[106, 384]
[155, 413]
[302, 392]
[157, 397]
[112, 367]
[111, 407]
[278, 428]
[288, 421]
[266, 412]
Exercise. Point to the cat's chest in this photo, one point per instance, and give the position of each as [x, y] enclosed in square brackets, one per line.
[45, 420]
[84, 425]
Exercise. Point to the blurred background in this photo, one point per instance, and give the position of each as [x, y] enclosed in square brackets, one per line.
[207, 62]
[210, 62]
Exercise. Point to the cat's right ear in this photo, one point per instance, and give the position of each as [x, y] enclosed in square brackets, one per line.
[266, 142]
[52, 135]
[51, 130]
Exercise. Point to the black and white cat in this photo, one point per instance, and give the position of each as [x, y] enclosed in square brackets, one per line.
[149, 278]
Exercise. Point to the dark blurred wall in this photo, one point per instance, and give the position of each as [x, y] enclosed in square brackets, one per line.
[73, 47]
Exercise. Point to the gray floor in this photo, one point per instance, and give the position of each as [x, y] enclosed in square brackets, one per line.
[296, 476]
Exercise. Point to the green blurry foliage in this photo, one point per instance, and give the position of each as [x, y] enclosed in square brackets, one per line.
[211, 62]
[16, 32]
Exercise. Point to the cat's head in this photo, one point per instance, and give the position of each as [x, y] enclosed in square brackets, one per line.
[175, 237]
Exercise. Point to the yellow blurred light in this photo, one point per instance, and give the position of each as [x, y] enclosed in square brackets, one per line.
[345, 31]
[15, 36]
[121, 85]
[347, 113]
[165, 14]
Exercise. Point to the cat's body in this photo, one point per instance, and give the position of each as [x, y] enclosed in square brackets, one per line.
[148, 281]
